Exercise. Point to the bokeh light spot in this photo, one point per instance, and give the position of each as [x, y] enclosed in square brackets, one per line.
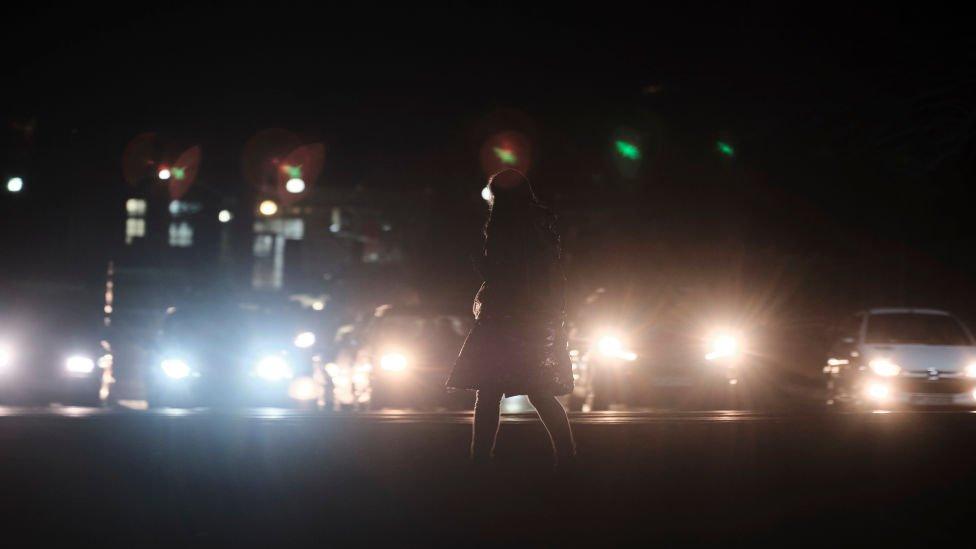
[627, 150]
[15, 184]
[295, 185]
[268, 207]
[508, 149]
[507, 156]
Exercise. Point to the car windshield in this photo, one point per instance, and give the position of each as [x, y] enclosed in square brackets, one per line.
[916, 329]
[227, 323]
[409, 327]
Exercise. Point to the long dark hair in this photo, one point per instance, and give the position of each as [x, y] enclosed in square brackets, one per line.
[514, 204]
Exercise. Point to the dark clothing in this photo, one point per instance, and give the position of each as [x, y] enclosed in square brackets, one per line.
[518, 344]
[486, 420]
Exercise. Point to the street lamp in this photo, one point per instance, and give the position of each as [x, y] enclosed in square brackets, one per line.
[164, 174]
[224, 216]
[268, 207]
[295, 185]
[15, 185]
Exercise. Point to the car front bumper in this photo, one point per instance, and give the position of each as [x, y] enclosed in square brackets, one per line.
[921, 392]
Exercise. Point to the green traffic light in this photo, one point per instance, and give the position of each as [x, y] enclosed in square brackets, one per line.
[627, 150]
[294, 171]
[178, 172]
[725, 148]
[507, 156]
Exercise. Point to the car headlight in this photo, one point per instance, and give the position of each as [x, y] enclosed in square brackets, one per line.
[393, 362]
[273, 368]
[78, 364]
[6, 356]
[611, 346]
[884, 367]
[303, 388]
[971, 370]
[175, 368]
[878, 392]
[723, 345]
[304, 340]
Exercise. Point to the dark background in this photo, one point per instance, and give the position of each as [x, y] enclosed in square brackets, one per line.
[853, 132]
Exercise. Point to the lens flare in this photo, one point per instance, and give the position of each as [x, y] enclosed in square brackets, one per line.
[507, 149]
[627, 150]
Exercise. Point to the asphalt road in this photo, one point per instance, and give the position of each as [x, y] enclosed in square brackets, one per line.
[262, 477]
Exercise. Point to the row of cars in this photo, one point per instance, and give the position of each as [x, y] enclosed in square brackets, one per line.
[233, 352]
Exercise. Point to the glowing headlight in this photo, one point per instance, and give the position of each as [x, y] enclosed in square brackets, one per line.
[609, 345]
[78, 364]
[393, 362]
[878, 392]
[723, 346]
[884, 367]
[303, 388]
[612, 346]
[273, 368]
[971, 370]
[304, 340]
[6, 356]
[175, 368]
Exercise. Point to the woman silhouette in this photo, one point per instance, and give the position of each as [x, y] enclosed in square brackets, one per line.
[518, 344]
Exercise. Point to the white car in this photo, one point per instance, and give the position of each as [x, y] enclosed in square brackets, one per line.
[902, 357]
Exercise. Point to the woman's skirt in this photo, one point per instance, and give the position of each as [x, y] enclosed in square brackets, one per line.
[514, 356]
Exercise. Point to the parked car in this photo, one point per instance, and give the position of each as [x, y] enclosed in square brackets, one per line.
[890, 357]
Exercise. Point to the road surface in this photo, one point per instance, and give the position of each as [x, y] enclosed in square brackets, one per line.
[269, 476]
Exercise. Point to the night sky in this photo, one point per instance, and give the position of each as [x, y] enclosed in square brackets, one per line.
[853, 127]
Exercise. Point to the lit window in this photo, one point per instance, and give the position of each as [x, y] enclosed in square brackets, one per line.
[269, 261]
[135, 207]
[179, 208]
[263, 245]
[180, 235]
[135, 227]
[292, 229]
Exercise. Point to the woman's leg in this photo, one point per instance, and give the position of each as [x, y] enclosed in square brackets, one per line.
[554, 417]
[486, 410]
